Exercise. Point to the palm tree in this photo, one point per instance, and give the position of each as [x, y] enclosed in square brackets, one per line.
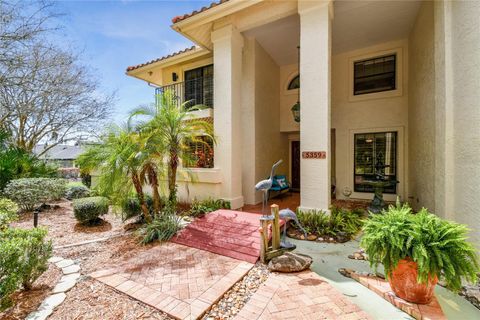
[120, 160]
[170, 129]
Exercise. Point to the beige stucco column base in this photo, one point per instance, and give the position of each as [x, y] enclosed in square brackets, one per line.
[227, 64]
[315, 64]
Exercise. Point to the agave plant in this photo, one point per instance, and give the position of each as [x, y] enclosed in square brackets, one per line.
[439, 247]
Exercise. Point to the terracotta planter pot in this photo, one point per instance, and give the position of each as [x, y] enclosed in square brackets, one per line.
[403, 281]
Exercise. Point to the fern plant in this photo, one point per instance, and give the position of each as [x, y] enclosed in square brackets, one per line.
[439, 247]
[339, 220]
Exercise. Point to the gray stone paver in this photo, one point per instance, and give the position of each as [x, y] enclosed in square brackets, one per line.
[71, 273]
[71, 269]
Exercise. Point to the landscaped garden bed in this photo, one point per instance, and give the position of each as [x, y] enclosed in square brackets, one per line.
[338, 226]
[64, 229]
[89, 299]
[26, 301]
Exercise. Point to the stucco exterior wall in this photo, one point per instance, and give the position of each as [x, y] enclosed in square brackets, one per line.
[369, 113]
[288, 98]
[248, 119]
[421, 110]
[180, 69]
[270, 144]
[465, 62]
[263, 143]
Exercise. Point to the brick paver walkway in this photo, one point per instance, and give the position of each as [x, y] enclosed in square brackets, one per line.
[178, 280]
[303, 295]
[230, 233]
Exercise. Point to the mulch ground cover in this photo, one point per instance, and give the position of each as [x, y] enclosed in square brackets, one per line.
[89, 299]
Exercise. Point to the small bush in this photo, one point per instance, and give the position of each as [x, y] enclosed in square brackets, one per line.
[162, 228]
[55, 188]
[8, 213]
[130, 207]
[89, 210]
[27, 192]
[77, 191]
[23, 258]
[339, 220]
[313, 221]
[200, 208]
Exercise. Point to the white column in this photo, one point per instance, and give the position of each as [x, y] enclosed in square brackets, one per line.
[227, 64]
[315, 78]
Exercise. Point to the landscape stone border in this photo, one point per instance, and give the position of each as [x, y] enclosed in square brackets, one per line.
[380, 286]
[71, 275]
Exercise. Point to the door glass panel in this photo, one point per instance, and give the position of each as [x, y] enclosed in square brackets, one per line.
[374, 150]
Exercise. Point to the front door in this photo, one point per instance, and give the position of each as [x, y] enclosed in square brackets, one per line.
[295, 161]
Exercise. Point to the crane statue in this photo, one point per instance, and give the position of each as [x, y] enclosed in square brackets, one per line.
[289, 215]
[265, 185]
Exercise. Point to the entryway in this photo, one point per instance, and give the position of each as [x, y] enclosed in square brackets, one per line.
[295, 165]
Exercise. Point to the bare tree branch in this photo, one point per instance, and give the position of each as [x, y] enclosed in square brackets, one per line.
[46, 95]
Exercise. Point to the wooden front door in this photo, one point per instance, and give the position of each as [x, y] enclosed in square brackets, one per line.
[295, 161]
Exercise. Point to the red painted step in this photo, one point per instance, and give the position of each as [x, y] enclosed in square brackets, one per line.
[226, 232]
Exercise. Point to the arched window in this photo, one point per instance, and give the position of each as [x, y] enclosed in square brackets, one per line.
[294, 83]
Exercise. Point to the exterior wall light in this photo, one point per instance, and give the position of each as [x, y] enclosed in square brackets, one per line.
[296, 112]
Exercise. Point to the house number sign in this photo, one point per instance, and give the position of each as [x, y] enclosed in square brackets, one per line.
[314, 154]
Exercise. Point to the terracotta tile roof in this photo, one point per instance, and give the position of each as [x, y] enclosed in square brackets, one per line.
[203, 9]
[161, 58]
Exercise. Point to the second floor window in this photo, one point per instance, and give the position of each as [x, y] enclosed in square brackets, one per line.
[199, 86]
[375, 75]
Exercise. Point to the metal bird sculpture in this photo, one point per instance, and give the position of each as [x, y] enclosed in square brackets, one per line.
[289, 215]
[265, 185]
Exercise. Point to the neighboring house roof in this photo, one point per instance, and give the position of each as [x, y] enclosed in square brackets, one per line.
[192, 48]
[60, 152]
[203, 9]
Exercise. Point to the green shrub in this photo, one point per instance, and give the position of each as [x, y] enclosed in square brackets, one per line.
[438, 246]
[77, 191]
[313, 221]
[339, 220]
[162, 228]
[130, 207]
[89, 210]
[55, 188]
[16, 163]
[8, 213]
[23, 258]
[200, 208]
[28, 192]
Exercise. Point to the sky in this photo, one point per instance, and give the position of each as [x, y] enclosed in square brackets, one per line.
[112, 35]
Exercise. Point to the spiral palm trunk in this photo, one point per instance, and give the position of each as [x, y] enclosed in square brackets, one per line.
[172, 178]
[155, 194]
[141, 198]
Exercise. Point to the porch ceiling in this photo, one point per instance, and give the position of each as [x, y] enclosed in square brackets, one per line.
[356, 24]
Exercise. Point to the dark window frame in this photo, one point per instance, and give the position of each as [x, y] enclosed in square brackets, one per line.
[202, 154]
[292, 85]
[386, 79]
[200, 87]
[358, 187]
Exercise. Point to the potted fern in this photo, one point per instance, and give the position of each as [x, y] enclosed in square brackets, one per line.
[417, 250]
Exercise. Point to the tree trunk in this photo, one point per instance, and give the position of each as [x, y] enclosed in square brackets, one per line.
[141, 199]
[172, 178]
[155, 194]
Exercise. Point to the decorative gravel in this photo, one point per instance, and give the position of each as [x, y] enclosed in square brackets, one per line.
[234, 300]
[472, 294]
